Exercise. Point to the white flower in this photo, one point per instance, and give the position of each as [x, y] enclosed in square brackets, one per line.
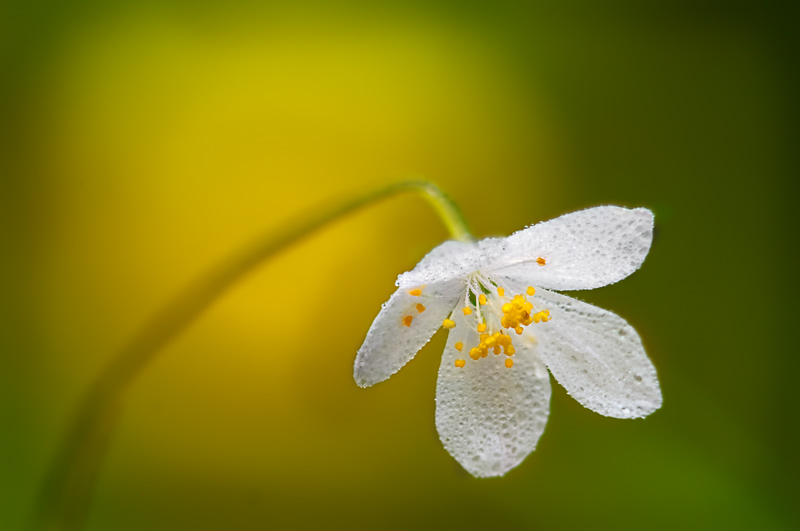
[507, 329]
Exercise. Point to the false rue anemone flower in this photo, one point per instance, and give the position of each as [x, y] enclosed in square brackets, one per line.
[506, 329]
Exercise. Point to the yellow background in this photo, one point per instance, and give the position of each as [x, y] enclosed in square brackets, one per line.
[144, 141]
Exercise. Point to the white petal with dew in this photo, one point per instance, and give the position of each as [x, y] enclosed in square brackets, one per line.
[597, 357]
[390, 344]
[582, 250]
[490, 417]
[452, 259]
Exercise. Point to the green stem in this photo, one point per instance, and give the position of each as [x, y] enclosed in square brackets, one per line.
[68, 487]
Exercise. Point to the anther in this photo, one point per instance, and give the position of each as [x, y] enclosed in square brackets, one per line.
[415, 292]
[482, 299]
[467, 311]
[459, 346]
[500, 291]
[407, 320]
[449, 324]
[420, 308]
[475, 353]
[460, 364]
[481, 327]
[509, 363]
[540, 261]
[530, 291]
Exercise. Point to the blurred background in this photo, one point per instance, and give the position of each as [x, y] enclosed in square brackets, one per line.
[142, 142]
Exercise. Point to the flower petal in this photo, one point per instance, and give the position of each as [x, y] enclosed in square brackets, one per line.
[401, 329]
[490, 417]
[597, 357]
[582, 250]
[450, 260]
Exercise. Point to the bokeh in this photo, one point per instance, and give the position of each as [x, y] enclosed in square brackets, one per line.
[142, 142]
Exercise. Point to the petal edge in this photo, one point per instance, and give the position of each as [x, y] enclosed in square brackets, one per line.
[490, 417]
[390, 342]
[582, 250]
[598, 358]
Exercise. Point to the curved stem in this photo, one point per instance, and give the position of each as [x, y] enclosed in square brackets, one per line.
[67, 492]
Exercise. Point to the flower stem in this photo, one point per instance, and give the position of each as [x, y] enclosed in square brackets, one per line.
[69, 484]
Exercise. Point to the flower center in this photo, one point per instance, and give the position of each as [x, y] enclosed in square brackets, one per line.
[495, 312]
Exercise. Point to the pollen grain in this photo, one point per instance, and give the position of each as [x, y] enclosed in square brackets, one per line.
[542, 316]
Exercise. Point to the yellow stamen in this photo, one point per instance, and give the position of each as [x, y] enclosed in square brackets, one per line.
[449, 324]
[467, 311]
[420, 308]
[509, 362]
[459, 346]
[497, 343]
[460, 364]
[482, 327]
[516, 313]
[540, 261]
[482, 299]
[530, 291]
[415, 292]
[407, 320]
[501, 291]
[542, 316]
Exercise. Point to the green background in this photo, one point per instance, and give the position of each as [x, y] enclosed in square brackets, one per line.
[143, 141]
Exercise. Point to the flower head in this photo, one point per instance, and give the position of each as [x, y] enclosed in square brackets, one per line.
[506, 329]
